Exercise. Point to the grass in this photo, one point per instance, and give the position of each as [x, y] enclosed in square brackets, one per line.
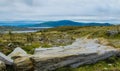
[59, 36]
[29, 48]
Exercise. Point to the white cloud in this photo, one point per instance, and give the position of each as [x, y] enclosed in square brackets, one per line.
[57, 9]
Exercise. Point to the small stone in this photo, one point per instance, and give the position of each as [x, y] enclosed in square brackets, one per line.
[105, 68]
[109, 64]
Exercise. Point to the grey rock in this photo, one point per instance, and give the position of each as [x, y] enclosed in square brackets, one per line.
[82, 51]
[17, 52]
[6, 59]
[23, 64]
[112, 32]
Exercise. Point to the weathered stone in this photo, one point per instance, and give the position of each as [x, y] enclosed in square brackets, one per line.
[6, 59]
[112, 32]
[94, 59]
[2, 66]
[82, 51]
[51, 63]
[17, 52]
[23, 64]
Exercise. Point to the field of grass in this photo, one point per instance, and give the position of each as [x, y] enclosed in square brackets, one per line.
[61, 36]
[58, 36]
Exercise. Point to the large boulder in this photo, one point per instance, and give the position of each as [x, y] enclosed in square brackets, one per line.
[17, 52]
[53, 62]
[7, 60]
[82, 51]
[2, 66]
[23, 64]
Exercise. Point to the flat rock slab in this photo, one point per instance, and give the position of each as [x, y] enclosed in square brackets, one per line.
[82, 51]
[80, 46]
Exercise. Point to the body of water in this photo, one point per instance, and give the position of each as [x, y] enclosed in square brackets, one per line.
[40, 27]
[27, 31]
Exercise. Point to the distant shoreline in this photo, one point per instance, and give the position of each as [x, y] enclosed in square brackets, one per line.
[40, 27]
[30, 30]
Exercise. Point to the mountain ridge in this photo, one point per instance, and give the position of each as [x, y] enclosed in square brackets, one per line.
[53, 24]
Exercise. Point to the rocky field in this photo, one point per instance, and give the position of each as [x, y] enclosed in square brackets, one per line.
[61, 49]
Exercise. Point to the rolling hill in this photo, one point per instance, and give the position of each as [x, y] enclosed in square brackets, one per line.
[51, 24]
[69, 23]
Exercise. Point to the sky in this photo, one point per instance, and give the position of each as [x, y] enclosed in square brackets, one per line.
[78, 10]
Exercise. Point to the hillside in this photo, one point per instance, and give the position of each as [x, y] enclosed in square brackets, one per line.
[50, 23]
[68, 23]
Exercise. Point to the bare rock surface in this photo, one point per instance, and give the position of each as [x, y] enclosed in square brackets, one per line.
[23, 64]
[17, 52]
[22, 61]
[82, 51]
[80, 46]
[112, 32]
[7, 60]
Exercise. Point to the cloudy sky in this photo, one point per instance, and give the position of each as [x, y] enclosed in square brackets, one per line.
[106, 10]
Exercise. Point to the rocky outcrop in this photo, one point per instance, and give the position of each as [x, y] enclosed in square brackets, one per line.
[82, 51]
[23, 64]
[2, 66]
[22, 61]
[18, 52]
[94, 59]
[45, 64]
[5, 59]
[112, 32]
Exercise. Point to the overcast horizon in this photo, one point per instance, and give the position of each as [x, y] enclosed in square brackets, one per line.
[47, 10]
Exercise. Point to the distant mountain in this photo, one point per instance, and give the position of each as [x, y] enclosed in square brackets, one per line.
[50, 23]
[68, 23]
